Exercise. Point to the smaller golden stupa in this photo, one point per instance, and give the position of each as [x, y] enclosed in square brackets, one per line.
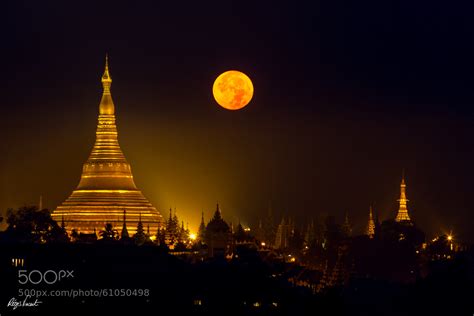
[402, 215]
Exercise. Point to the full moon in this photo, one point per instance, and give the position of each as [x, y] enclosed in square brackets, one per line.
[233, 90]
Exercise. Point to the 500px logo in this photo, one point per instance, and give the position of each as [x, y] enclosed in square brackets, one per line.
[48, 277]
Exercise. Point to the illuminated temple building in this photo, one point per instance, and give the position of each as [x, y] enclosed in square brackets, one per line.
[106, 188]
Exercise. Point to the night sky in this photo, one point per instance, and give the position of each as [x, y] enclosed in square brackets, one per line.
[347, 94]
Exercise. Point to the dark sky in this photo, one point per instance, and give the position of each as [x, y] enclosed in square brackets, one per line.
[347, 94]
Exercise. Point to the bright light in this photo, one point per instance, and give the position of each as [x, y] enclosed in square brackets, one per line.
[263, 244]
[233, 90]
[450, 237]
[247, 229]
[192, 236]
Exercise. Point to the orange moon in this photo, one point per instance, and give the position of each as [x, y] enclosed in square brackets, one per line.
[233, 90]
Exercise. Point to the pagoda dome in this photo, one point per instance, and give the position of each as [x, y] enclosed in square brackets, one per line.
[217, 223]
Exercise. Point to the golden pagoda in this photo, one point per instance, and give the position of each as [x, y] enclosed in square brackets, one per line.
[370, 229]
[402, 215]
[106, 189]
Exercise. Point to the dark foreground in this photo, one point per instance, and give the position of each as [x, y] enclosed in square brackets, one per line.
[136, 280]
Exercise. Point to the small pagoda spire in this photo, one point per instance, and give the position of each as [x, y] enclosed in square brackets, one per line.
[202, 228]
[175, 219]
[139, 226]
[370, 230]
[402, 215]
[124, 233]
[140, 237]
[218, 213]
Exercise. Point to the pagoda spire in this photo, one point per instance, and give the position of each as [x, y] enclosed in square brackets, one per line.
[202, 229]
[218, 213]
[106, 167]
[370, 230]
[106, 104]
[402, 215]
[140, 230]
[124, 233]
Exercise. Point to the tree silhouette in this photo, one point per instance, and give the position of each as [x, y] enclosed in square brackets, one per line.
[109, 233]
[28, 224]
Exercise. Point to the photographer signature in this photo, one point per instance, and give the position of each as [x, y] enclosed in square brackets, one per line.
[14, 304]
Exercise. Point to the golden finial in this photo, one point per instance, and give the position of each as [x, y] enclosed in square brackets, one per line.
[106, 104]
[106, 79]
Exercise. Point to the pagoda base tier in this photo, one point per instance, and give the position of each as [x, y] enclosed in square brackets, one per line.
[88, 211]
